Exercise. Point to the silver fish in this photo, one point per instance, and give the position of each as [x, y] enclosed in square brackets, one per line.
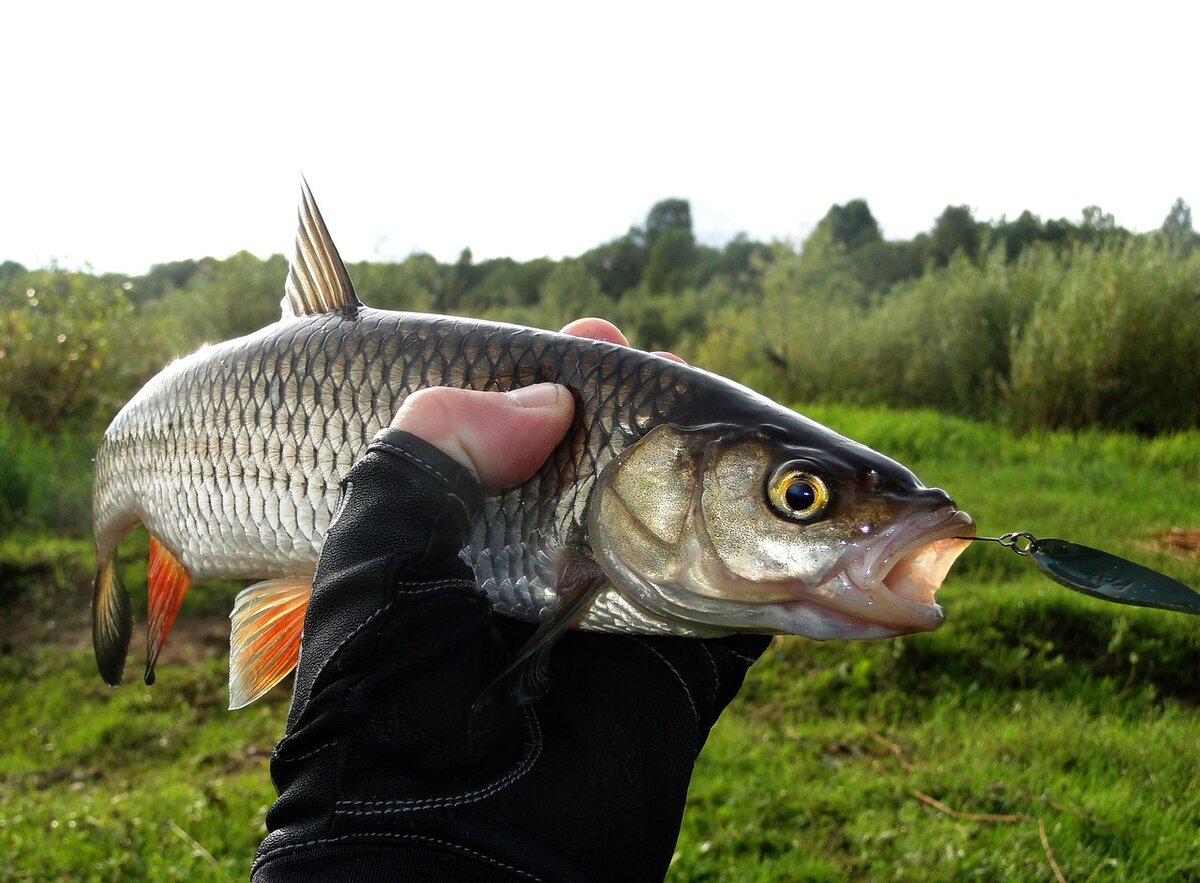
[679, 502]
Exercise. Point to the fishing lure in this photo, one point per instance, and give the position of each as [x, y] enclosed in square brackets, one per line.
[1100, 574]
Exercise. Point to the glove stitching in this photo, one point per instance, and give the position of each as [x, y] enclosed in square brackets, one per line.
[749, 660]
[438, 586]
[379, 611]
[716, 673]
[424, 587]
[686, 692]
[527, 763]
[421, 838]
[331, 743]
[432, 471]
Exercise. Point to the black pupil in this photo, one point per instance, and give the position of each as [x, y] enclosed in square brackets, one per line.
[800, 495]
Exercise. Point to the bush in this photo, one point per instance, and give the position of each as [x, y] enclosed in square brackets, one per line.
[61, 340]
[1115, 343]
[1103, 336]
[45, 481]
[14, 477]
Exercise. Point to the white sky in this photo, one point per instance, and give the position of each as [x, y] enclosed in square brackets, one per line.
[141, 133]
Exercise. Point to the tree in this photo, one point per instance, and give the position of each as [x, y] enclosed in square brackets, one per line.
[417, 283]
[668, 214]
[852, 225]
[1177, 227]
[167, 277]
[880, 265]
[618, 265]
[955, 231]
[1016, 236]
[742, 261]
[568, 292]
[1098, 220]
[10, 270]
[671, 261]
[465, 275]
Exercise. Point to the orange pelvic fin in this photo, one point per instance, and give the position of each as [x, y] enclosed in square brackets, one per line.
[167, 584]
[264, 643]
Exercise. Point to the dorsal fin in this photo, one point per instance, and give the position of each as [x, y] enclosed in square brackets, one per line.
[317, 280]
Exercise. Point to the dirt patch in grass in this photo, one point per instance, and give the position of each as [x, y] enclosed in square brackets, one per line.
[68, 626]
[1182, 542]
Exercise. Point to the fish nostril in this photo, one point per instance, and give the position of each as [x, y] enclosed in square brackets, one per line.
[869, 480]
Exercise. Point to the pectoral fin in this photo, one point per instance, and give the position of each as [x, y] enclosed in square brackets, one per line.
[264, 644]
[527, 676]
[166, 585]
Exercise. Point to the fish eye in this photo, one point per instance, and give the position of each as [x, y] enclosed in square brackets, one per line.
[797, 494]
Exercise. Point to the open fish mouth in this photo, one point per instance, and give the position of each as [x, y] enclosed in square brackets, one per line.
[888, 588]
[919, 574]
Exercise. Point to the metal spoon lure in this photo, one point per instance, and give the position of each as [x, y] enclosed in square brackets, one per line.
[1100, 574]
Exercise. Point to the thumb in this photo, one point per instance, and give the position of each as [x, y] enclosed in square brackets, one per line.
[502, 437]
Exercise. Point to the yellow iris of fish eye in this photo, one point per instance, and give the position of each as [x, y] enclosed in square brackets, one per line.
[786, 480]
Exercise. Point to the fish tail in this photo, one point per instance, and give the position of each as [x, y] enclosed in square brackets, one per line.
[264, 641]
[166, 584]
[112, 622]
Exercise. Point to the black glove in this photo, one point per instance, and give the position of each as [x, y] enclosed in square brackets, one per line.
[377, 775]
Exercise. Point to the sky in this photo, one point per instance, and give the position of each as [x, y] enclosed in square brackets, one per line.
[141, 133]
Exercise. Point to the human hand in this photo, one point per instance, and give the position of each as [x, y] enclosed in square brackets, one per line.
[377, 773]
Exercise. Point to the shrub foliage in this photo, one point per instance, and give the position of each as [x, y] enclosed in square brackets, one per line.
[1057, 325]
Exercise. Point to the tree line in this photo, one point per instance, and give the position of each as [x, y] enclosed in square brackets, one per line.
[1057, 323]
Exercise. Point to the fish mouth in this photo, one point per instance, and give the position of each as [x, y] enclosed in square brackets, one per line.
[913, 570]
[888, 588]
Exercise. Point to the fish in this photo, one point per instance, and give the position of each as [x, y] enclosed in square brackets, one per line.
[679, 502]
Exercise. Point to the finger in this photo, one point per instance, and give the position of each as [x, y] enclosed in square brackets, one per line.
[671, 356]
[602, 329]
[503, 437]
[596, 329]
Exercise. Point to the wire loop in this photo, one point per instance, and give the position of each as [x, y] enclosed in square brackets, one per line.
[1020, 541]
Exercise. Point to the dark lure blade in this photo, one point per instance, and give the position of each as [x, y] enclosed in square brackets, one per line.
[1107, 576]
[1101, 574]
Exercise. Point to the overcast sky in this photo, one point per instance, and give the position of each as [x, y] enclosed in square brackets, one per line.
[142, 133]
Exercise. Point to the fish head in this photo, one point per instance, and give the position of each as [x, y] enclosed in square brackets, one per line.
[774, 530]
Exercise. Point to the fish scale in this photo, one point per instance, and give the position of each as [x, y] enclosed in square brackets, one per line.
[176, 433]
[232, 458]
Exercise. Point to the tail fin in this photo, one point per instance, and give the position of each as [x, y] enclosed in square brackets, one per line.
[264, 642]
[112, 623]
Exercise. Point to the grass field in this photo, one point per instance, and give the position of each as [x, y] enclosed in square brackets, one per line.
[1037, 733]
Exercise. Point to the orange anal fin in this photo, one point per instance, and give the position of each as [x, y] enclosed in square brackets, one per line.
[264, 642]
[167, 583]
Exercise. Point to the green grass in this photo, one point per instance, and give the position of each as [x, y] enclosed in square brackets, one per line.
[131, 784]
[1032, 705]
